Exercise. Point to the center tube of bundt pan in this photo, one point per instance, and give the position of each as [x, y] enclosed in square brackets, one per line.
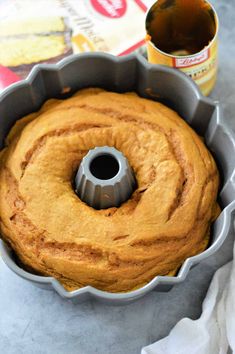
[104, 178]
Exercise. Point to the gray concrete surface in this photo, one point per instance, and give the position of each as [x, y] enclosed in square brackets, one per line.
[34, 321]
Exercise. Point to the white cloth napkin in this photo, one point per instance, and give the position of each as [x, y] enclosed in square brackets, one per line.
[214, 331]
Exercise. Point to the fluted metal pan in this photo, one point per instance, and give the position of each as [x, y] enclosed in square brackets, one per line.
[129, 73]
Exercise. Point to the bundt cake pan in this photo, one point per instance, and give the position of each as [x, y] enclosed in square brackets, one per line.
[129, 73]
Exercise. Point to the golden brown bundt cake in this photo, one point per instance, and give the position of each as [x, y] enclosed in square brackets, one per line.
[53, 232]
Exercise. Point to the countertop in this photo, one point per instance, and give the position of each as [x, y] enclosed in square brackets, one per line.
[40, 322]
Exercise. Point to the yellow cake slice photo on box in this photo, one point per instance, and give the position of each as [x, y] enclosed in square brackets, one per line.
[28, 41]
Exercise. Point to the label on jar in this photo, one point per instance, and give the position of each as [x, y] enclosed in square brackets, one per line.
[191, 61]
[201, 67]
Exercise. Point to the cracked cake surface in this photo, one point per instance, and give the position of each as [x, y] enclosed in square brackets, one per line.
[166, 220]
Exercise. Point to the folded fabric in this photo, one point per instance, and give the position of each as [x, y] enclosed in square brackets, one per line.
[214, 331]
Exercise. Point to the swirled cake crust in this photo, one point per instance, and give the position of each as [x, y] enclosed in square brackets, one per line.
[166, 220]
